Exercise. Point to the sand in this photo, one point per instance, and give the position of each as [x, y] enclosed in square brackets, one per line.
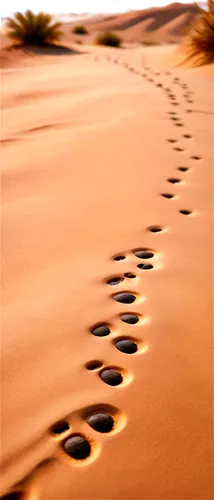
[86, 154]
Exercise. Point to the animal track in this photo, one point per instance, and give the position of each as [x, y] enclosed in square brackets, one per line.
[77, 446]
[94, 365]
[155, 229]
[187, 136]
[111, 377]
[173, 180]
[101, 330]
[145, 267]
[101, 422]
[60, 427]
[169, 196]
[125, 297]
[129, 318]
[126, 346]
[185, 212]
[182, 169]
[144, 254]
[180, 150]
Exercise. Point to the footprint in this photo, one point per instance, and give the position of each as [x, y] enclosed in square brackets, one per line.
[129, 318]
[116, 280]
[173, 180]
[101, 330]
[127, 346]
[60, 427]
[155, 229]
[180, 150]
[179, 125]
[145, 267]
[119, 257]
[77, 447]
[174, 118]
[144, 254]
[111, 377]
[185, 212]
[101, 422]
[183, 169]
[130, 276]
[187, 136]
[173, 141]
[195, 158]
[169, 196]
[124, 297]
[188, 110]
[95, 364]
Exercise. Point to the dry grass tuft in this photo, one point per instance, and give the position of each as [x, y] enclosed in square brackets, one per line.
[33, 29]
[199, 39]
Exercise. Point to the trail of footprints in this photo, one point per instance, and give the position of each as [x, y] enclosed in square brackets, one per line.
[80, 447]
[103, 418]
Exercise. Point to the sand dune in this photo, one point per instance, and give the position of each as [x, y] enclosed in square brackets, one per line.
[106, 190]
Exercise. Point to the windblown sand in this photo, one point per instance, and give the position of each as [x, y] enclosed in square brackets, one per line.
[88, 146]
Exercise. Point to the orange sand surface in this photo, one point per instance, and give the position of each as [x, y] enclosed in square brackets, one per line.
[88, 147]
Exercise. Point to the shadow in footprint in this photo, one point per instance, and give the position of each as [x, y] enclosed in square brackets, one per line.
[111, 377]
[169, 196]
[124, 297]
[101, 330]
[129, 318]
[155, 229]
[101, 422]
[144, 254]
[116, 280]
[173, 180]
[77, 447]
[95, 364]
[180, 150]
[145, 267]
[182, 169]
[126, 346]
[185, 212]
[60, 427]
[14, 495]
[119, 257]
[194, 157]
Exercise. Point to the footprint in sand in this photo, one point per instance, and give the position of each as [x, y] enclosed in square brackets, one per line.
[185, 212]
[195, 157]
[80, 448]
[173, 180]
[187, 136]
[180, 150]
[155, 229]
[183, 169]
[169, 196]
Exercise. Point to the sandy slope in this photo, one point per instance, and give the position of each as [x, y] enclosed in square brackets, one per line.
[86, 154]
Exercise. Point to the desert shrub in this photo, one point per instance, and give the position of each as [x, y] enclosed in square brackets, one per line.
[108, 38]
[33, 29]
[150, 42]
[200, 34]
[80, 30]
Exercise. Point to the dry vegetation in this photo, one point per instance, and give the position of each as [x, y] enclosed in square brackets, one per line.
[33, 29]
[199, 39]
[108, 38]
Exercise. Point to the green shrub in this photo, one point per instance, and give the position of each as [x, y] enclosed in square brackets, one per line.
[33, 29]
[108, 38]
[200, 34]
[80, 30]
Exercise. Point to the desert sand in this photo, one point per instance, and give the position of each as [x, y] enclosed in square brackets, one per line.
[90, 144]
